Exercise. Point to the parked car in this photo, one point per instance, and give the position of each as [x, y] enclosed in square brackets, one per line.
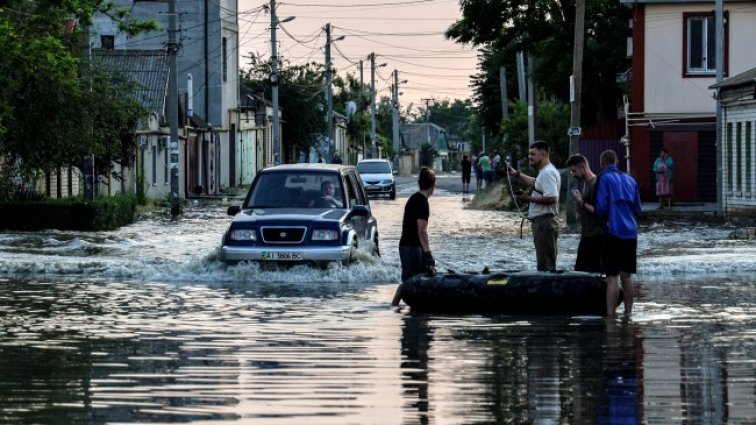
[302, 213]
[377, 177]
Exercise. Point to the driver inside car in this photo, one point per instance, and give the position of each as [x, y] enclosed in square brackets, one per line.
[326, 199]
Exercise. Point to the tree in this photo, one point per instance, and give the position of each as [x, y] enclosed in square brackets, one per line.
[545, 29]
[452, 115]
[348, 89]
[300, 91]
[115, 113]
[553, 117]
[46, 92]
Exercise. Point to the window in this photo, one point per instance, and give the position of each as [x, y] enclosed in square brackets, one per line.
[700, 44]
[107, 42]
[225, 59]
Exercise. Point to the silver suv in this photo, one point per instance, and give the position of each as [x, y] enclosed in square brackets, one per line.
[377, 177]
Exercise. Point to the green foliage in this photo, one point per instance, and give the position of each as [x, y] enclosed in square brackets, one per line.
[115, 114]
[141, 193]
[49, 101]
[300, 93]
[349, 89]
[545, 29]
[553, 119]
[388, 146]
[105, 213]
[454, 116]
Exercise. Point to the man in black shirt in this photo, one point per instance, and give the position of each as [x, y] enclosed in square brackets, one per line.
[466, 172]
[414, 249]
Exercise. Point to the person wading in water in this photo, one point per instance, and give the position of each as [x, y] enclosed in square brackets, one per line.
[414, 249]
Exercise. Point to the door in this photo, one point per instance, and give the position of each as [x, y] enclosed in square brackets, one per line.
[683, 148]
[192, 169]
[356, 197]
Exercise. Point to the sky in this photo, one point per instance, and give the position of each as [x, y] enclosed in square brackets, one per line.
[406, 35]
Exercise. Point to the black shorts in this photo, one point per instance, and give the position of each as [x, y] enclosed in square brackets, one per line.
[619, 255]
[465, 178]
[411, 258]
[589, 254]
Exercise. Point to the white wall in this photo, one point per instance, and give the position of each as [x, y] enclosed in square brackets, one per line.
[665, 89]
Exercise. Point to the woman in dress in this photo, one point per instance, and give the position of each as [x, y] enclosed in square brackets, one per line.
[663, 171]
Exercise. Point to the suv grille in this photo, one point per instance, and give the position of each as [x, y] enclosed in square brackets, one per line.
[283, 234]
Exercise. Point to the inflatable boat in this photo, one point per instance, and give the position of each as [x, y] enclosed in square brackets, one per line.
[508, 292]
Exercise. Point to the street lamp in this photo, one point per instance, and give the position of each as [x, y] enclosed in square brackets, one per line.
[373, 66]
[274, 80]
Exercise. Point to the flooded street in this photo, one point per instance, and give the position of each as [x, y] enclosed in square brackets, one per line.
[144, 325]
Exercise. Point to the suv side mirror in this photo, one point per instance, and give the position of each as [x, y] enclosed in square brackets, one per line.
[395, 172]
[233, 210]
[359, 210]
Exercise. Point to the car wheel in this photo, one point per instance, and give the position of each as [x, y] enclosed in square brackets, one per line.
[352, 254]
[393, 193]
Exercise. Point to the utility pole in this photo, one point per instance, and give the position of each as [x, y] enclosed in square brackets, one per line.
[576, 90]
[427, 116]
[362, 79]
[274, 83]
[329, 90]
[521, 85]
[373, 66]
[531, 103]
[719, 28]
[329, 93]
[173, 108]
[503, 87]
[395, 113]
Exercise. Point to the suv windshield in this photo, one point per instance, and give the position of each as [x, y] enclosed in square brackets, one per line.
[379, 167]
[299, 189]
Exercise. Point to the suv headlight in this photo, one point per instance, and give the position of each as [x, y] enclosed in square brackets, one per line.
[389, 181]
[325, 235]
[243, 235]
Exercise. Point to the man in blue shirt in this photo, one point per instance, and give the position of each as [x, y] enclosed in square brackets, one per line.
[617, 204]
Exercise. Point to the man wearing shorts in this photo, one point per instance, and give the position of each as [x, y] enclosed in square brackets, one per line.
[617, 204]
[466, 171]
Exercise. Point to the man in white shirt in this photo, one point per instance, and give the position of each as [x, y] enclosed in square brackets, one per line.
[544, 203]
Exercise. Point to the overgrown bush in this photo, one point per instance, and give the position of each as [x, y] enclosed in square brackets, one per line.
[105, 213]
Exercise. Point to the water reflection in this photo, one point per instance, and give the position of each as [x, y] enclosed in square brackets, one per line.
[415, 344]
[509, 370]
[143, 325]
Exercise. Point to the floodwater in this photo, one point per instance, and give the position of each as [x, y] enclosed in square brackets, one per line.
[144, 325]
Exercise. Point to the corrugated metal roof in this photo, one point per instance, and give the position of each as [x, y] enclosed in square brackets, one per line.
[744, 78]
[147, 68]
[416, 134]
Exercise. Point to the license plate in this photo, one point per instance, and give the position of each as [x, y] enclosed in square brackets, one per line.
[372, 187]
[283, 256]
